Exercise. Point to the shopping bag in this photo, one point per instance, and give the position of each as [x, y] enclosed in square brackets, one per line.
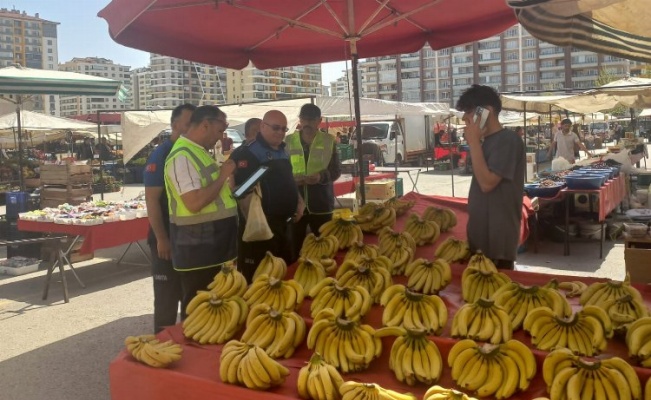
[256, 228]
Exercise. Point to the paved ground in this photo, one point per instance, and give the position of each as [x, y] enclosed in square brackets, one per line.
[56, 351]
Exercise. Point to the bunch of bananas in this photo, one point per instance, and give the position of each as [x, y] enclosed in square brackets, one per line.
[352, 301]
[399, 247]
[423, 231]
[478, 283]
[453, 250]
[346, 230]
[359, 249]
[624, 311]
[317, 247]
[440, 393]
[414, 358]
[638, 341]
[373, 217]
[343, 342]
[497, 371]
[518, 300]
[329, 264]
[213, 319]
[319, 380]
[370, 391]
[585, 333]
[444, 217]
[370, 274]
[278, 333]
[280, 295]
[271, 265]
[599, 293]
[569, 377]
[401, 206]
[228, 282]
[149, 350]
[309, 273]
[481, 262]
[573, 288]
[412, 310]
[428, 277]
[248, 365]
[483, 321]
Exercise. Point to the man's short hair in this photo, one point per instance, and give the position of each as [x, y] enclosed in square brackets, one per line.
[310, 111]
[203, 113]
[179, 110]
[479, 96]
[566, 121]
[249, 123]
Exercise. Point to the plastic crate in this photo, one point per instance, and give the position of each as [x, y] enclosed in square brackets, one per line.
[400, 191]
[16, 204]
[345, 151]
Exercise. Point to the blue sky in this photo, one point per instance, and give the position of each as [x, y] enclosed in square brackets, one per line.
[83, 34]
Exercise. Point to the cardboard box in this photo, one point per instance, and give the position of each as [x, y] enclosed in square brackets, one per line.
[381, 189]
[637, 264]
[348, 201]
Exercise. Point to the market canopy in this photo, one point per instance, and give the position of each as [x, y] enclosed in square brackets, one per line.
[629, 92]
[33, 121]
[538, 104]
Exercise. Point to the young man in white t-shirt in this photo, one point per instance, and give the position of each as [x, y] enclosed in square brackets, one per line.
[564, 142]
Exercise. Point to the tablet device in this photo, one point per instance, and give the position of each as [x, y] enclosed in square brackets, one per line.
[248, 185]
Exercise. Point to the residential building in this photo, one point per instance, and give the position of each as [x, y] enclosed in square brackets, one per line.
[251, 84]
[343, 87]
[141, 89]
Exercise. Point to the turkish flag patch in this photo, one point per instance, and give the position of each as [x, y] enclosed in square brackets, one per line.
[242, 164]
[151, 168]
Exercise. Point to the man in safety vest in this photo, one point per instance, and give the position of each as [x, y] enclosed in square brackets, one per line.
[203, 213]
[315, 165]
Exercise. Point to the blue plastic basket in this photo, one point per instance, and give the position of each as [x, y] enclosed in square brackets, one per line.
[16, 203]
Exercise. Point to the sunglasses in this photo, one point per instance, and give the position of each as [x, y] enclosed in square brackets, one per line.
[276, 128]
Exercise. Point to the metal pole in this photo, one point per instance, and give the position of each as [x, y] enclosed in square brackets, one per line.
[20, 146]
[524, 139]
[358, 123]
[102, 185]
[451, 158]
[538, 145]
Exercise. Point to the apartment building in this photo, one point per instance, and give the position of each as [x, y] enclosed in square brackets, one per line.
[141, 90]
[343, 86]
[31, 42]
[513, 61]
[251, 84]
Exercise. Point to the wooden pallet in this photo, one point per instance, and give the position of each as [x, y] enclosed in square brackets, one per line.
[66, 192]
[54, 203]
[64, 174]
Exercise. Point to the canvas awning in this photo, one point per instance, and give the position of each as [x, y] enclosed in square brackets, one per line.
[538, 104]
[33, 121]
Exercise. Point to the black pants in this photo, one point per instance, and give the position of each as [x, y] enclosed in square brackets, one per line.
[504, 264]
[299, 229]
[249, 254]
[193, 281]
[167, 290]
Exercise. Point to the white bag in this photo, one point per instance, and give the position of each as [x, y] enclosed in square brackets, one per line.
[256, 229]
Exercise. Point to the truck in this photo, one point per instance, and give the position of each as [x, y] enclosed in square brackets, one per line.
[411, 134]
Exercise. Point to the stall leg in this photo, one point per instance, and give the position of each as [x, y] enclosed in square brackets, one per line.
[64, 281]
[566, 250]
[48, 278]
[602, 240]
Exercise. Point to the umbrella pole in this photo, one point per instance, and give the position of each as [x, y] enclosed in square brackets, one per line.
[524, 139]
[358, 123]
[20, 147]
[451, 159]
[538, 146]
[102, 185]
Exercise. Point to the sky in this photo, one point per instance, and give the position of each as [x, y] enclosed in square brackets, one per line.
[83, 34]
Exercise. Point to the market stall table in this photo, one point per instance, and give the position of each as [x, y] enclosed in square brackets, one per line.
[408, 170]
[348, 183]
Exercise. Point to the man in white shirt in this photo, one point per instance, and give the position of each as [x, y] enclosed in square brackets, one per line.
[564, 142]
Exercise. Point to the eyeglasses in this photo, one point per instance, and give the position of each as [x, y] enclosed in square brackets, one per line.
[276, 127]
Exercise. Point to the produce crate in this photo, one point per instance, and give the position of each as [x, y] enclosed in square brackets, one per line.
[63, 174]
[53, 203]
[380, 189]
[637, 252]
[345, 151]
[66, 192]
[32, 183]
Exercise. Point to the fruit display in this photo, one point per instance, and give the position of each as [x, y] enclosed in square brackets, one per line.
[329, 264]
[497, 371]
[228, 282]
[422, 230]
[585, 333]
[518, 300]
[277, 333]
[428, 277]
[373, 217]
[316, 247]
[412, 310]
[399, 247]
[345, 343]
[280, 295]
[479, 283]
[150, 351]
[440, 393]
[481, 262]
[370, 391]
[482, 320]
[353, 301]
[248, 365]
[359, 249]
[319, 380]
[573, 288]
[309, 273]
[346, 230]
[213, 319]
[453, 250]
[569, 377]
[638, 341]
[444, 217]
[599, 293]
[370, 275]
[272, 266]
[624, 311]
[401, 206]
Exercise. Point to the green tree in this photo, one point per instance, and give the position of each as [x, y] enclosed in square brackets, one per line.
[606, 76]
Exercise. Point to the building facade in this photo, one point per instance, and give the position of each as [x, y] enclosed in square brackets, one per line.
[141, 90]
[251, 84]
[343, 87]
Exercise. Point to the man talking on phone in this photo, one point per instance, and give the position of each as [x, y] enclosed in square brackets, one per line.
[498, 159]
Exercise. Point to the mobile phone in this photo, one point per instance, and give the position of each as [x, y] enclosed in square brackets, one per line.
[481, 113]
[248, 185]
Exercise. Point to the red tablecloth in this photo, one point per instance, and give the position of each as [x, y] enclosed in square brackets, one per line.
[96, 237]
[346, 183]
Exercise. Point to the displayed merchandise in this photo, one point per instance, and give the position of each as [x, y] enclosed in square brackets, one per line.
[518, 300]
[401, 206]
[353, 301]
[359, 249]
[445, 218]
[482, 320]
[413, 310]
[573, 288]
[366, 273]
[479, 283]
[373, 217]
[345, 230]
[309, 273]
[279, 294]
[319, 380]
[271, 265]
[213, 319]
[428, 277]
[422, 230]
[277, 333]
[150, 351]
[481, 262]
[89, 213]
[453, 250]
[248, 365]
[399, 247]
[371, 391]
[228, 282]
[317, 247]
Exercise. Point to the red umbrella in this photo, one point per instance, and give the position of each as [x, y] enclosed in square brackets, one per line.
[232, 33]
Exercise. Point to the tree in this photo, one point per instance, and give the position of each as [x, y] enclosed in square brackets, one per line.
[606, 76]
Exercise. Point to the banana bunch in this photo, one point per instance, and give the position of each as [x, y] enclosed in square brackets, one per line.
[624, 311]
[440, 393]
[277, 333]
[319, 380]
[345, 343]
[329, 264]
[352, 301]
[359, 249]
[518, 300]
[573, 288]
[453, 250]
[248, 365]
[228, 282]
[401, 206]
[477, 283]
[309, 273]
[213, 319]
[483, 321]
[428, 277]
[370, 274]
[346, 230]
[414, 358]
[423, 231]
[444, 217]
[280, 295]
[585, 333]
[497, 371]
[148, 350]
[638, 341]
[481, 262]
[399, 247]
[317, 247]
[412, 310]
[371, 391]
[271, 265]
[373, 217]
[569, 377]
[599, 293]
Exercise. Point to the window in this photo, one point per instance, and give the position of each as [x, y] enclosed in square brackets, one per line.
[49, 42]
[49, 51]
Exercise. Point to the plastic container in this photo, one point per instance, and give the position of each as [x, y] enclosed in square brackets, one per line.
[16, 204]
[535, 190]
[635, 229]
[584, 182]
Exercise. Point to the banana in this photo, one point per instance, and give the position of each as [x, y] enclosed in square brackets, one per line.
[148, 350]
[483, 321]
[346, 230]
[573, 288]
[359, 249]
[404, 307]
[279, 294]
[440, 393]
[370, 274]
[422, 230]
[517, 300]
[272, 266]
[602, 292]
[308, 273]
[228, 282]
[481, 262]
[477, 283]
[428, 277]
[453, 250]
[215, 319]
